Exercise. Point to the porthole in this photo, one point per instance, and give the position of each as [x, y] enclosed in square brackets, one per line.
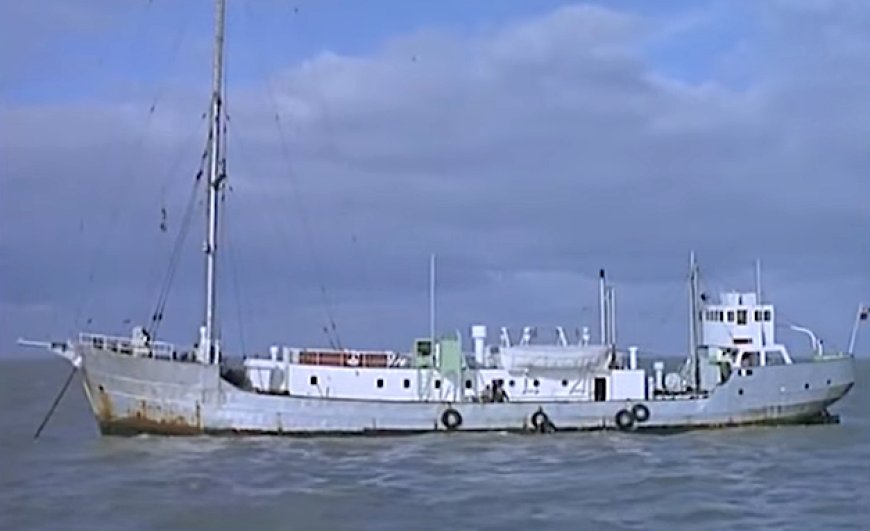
[740, 391]
[829, 382]
[437, 384]
[536, 383]
[313, 380]
[511, 383]
[406, 383]
[564, 383]
[468, 384]
[380, 383]
[806, 386]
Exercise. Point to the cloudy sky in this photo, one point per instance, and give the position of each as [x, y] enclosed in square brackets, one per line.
[527, 144]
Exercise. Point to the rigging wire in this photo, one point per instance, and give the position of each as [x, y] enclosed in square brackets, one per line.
[280, 230]
[86, 291]
[175, 256]
[361, 264]
[223, 229]
[231, 255]
[326, 300]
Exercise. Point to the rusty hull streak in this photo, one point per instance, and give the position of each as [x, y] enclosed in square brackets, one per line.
[143, 421]
[138, 424]
[104, 405]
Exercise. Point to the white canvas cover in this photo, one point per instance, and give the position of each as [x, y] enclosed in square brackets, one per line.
[589, 357]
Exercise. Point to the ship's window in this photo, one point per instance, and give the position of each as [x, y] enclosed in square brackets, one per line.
[757, 315]
[774, 357]
[468, 384]
[829, 382]
[564, 383]
[731, 316]
[536, 383]
[380, 383]
[741, 317]
[437, 384]
[721, 316]
[750, 359]
[806, 386]
[767, 315]
[511, 383]
[740, 391]
[406, 383]
[313, 380]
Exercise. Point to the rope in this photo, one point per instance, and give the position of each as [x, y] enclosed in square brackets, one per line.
[326, 301]
[237, 292]
[56, 402]
[175, 256]
[99, 250]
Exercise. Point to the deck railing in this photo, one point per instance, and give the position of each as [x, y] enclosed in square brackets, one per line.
[126, 345]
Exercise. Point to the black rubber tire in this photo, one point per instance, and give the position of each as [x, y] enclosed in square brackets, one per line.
[451, 419]
[540, 420]
[624, 420]
[640, 412]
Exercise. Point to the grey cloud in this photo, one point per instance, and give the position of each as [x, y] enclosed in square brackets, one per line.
[527, 157]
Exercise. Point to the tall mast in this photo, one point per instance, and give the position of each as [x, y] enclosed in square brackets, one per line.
[432, 297]
[215, 179]
[694, 317]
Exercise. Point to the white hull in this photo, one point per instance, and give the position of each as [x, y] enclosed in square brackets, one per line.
[130, 395]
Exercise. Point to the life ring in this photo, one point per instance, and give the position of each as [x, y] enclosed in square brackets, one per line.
[640, 412]
[353, 360]
[542, 423]
[451, 419]
[624, 420]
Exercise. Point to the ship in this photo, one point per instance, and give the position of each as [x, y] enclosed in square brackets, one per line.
[735, 373]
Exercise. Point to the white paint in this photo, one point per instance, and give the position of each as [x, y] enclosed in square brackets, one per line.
[628, 385]
[478, 337]
[659, 371]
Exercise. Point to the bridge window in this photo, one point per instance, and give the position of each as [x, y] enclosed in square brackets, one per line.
[720, 315]
[767, 315]
[749, 359]
[774, 357]
[757, 315]
[731, 316]
[741, 317]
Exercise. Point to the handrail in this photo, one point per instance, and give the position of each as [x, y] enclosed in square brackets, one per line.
[126, 345]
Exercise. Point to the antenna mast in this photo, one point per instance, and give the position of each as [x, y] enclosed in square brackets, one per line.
[694, 331]
[209, 344]
[432, 297]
